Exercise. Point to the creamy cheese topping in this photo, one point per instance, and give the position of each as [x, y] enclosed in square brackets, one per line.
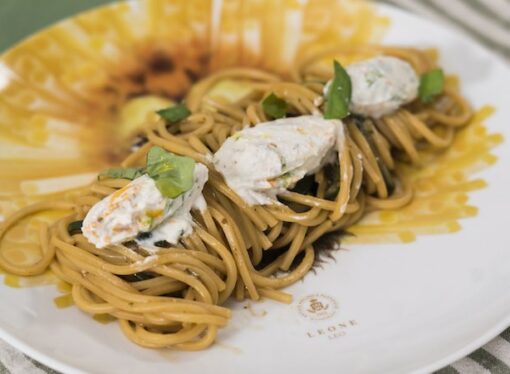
[139, 207]
[179, 224]
[262, 161]
[380, 85]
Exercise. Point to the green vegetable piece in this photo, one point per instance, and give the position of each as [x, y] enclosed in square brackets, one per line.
[332, 173]
[125, 173]
[339, 94]
[173, 174]
[388, 178]
[174, 113]
[74, 227]
[274, 106]
[431, 84]
[366, 129]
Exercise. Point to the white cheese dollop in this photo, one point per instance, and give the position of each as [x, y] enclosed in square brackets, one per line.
[262, 161]
[179, 224]
[380, 85]
[139, 207]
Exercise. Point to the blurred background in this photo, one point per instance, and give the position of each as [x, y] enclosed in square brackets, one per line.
[488, 21]
[20, 18]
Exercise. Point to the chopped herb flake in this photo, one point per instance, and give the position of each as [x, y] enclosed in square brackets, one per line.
[162, 244]
[144, 235]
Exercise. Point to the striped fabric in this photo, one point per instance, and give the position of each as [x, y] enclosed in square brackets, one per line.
[492, 358]
[488, 21]
[15, 362]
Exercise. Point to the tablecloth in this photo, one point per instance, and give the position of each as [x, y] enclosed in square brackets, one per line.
[488, 21]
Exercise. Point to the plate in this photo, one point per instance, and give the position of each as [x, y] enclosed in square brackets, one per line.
[393, 300]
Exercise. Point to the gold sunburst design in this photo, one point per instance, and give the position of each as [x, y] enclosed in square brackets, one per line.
[63, 93]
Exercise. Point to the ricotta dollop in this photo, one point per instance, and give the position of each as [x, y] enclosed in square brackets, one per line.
[139, 207]
[380, 85]
[262, 161]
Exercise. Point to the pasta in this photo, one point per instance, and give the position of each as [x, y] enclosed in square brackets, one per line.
[174, 298]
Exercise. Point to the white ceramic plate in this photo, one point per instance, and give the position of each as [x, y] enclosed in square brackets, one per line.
[379, 308]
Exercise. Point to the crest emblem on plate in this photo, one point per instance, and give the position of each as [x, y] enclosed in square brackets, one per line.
[317, 306]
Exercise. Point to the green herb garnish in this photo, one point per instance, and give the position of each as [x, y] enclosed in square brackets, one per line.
[124, 173]
[339, 94]
[174, 113]
[274, 106]
[74, 227]
[173, 174]
[431, 84]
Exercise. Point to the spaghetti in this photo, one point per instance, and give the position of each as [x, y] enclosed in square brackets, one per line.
[173, 298]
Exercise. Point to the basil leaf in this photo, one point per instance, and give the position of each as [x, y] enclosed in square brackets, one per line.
[174, 113]
[173, 174]
[274, 107]
[431, 84]
[339, 94]
[74, 227]
[125, 173]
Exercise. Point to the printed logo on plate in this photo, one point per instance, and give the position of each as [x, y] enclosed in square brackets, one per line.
[317, 307]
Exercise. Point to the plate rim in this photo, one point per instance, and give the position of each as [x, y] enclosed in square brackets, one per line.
[504, 323]
[448, 358]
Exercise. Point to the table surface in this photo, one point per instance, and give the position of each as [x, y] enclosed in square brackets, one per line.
[488, 21]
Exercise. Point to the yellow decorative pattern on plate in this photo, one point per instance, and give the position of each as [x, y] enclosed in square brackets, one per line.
[63, 93]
